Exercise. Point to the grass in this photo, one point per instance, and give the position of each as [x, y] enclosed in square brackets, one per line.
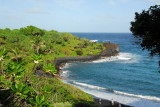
[60, 93]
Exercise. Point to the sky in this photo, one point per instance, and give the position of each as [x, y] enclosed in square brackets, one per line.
[112, 16]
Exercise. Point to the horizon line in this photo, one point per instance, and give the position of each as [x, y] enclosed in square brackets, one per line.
[95, 32]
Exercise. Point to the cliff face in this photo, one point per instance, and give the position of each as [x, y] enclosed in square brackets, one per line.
[111, 50]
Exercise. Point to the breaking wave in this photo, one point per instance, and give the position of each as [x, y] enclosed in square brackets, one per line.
[121, 58]
[115, 92]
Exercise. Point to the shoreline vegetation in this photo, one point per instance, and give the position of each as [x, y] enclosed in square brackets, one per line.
[29, 66]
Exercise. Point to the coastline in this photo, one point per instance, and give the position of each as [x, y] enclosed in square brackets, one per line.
[111, 50]
[103, 103]
[108, 103]
[128, 101]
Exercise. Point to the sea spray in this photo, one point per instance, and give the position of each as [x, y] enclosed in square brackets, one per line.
[122, 58]
[91, 87]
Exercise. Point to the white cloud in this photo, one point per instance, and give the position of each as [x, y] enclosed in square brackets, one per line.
[15, 17]
[153, 0]
[32, 0]
[124, 1]
[36, 10]
[112, 2]
[104, 16]
[116, 2]
[69, 3]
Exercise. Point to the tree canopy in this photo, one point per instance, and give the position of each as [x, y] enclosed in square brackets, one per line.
[32, 30]
[146, 27]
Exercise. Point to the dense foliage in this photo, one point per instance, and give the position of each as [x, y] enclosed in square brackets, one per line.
[146, 27]
[26, 50]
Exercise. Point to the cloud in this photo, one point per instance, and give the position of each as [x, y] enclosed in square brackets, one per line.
[33, 0]
[124, 1]
[36, 10]
[14, 17]
[112, 2]
[69, 3]
[104, 16]
[153, 0]
[116, 2]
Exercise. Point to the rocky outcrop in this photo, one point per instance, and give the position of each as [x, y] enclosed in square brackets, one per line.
[76, 59]
[111, 50]
[41, 73]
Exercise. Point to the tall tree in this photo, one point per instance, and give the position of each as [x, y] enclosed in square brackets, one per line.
[32, 31]
[37, 43]
[147, 27]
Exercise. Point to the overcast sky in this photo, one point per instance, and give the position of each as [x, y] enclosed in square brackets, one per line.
[72, 15]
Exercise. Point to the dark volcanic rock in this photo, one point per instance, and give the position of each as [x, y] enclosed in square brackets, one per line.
[42, 73]
[111, 50]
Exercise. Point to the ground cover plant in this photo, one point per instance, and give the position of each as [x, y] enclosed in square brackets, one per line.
[26, 50]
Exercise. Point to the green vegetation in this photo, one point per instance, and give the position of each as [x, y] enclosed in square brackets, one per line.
[49, 68]
[146, 28]
[26, 50]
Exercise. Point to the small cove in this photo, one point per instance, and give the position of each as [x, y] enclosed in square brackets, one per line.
[131, 77]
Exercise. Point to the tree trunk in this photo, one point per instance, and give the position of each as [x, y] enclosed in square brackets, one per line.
[1, 69]
[37, 50]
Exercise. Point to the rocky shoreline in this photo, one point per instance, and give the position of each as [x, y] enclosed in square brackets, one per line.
[111, 50]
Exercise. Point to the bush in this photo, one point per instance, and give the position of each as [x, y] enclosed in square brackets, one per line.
[79, 52]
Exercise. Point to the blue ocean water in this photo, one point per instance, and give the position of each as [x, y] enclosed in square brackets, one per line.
[131, 78]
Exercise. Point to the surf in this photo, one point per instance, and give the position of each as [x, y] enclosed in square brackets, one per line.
[121, 58]
[93, 87]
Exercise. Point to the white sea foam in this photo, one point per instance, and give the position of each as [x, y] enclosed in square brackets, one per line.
[117, 92]
[65, 73]
[67, 65]
[129, 100]
[125, 98]
[138, 96]
[93, 40]
[122, 58]
[89, 86]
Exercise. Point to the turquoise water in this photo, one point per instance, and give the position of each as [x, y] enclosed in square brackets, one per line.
[132, 77]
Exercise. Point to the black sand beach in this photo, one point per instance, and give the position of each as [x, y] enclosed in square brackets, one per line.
[108, 103]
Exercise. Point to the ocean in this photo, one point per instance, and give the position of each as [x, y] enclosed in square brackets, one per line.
[130, 78]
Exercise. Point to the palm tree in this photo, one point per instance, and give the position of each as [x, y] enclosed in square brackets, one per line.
[37, 43]
[16, 53]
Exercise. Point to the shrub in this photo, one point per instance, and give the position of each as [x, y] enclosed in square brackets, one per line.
[79, 52]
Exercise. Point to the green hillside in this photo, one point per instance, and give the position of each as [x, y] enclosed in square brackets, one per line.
[23, 51]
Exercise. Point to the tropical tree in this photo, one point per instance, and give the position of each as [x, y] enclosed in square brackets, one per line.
[146, 28]
[16, 53]
[37, 43]
[32, 31]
